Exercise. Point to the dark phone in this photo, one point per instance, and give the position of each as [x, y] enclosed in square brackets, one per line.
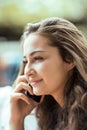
[34, 97]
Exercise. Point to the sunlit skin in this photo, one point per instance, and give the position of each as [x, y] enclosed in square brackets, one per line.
[44, 67]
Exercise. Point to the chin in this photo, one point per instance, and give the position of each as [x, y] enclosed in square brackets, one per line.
[37, 92]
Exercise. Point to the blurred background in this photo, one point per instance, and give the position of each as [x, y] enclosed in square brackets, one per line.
[14, 14]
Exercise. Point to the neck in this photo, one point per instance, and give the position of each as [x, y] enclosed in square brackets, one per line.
[59, 98]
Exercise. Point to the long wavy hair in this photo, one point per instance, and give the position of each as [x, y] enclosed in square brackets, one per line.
[72, 46]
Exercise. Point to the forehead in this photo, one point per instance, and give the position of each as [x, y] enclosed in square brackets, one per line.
[35, 42]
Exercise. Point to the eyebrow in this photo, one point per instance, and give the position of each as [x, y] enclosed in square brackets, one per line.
[32, 53]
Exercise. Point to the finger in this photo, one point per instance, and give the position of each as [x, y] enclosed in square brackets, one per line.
[21, 96]
[21, 78]
[23, 86]
[16, 96]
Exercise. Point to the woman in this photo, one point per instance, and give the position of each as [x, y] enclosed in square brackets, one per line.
[55, 68]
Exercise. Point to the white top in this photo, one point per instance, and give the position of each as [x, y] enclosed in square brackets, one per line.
[30, 122]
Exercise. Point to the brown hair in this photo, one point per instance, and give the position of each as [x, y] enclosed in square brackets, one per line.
[73, 48]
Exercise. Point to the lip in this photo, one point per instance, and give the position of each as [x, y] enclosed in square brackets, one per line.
[35, 82]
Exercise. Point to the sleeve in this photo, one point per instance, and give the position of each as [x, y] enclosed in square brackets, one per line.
[4, 97]
[30, 122]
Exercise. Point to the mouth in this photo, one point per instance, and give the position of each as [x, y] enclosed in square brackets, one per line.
[35, 82]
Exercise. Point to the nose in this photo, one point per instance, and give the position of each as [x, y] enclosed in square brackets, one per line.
[29, 72]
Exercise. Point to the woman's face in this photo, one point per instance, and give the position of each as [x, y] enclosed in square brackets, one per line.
[44, 67]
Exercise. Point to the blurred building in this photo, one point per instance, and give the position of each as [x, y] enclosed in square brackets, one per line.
[10, 59]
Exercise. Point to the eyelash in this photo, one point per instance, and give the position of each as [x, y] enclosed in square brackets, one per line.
[37, 58]
[24, 62]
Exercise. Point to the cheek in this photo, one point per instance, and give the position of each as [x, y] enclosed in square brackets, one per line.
[55, 74]
[51, 72]
[47, 70]
[41, 68]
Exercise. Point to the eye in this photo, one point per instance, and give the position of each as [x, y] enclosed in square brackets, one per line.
[24, 62]
[38, 58]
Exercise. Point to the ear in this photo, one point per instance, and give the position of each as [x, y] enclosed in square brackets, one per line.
[70, 66]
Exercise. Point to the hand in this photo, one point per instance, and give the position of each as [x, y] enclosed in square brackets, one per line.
[20, 104]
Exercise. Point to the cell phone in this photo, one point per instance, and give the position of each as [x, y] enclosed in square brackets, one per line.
[34, 97]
